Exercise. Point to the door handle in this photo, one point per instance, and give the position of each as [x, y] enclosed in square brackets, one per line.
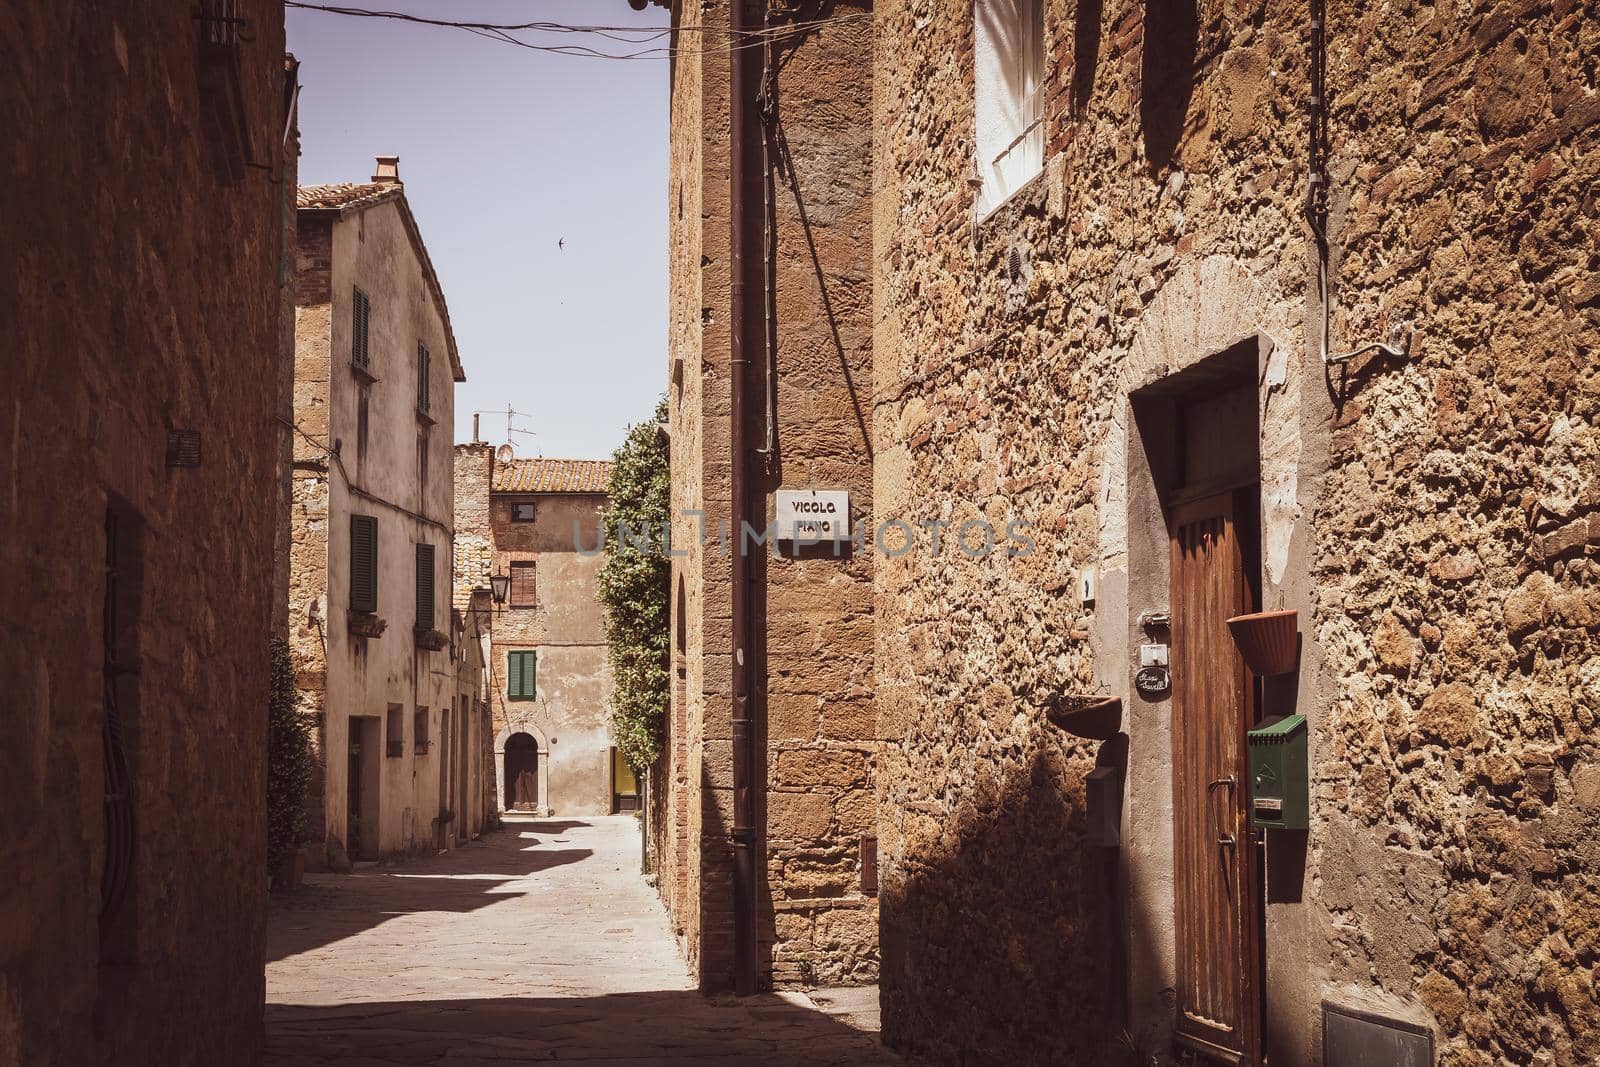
[1223, 840]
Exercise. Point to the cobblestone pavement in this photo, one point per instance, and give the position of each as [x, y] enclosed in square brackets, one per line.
[540, 943]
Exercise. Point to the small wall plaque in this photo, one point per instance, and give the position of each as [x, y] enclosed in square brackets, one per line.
[814, 516]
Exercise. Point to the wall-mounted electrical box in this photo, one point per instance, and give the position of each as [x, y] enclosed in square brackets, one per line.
[1279, 787]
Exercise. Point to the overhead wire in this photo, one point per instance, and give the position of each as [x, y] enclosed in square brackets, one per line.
[503, 32]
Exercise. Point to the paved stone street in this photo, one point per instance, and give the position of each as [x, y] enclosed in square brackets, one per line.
[539, 943]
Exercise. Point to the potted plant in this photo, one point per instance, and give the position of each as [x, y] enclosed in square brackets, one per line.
[432, 640]
[367, 624]
[1092, 716]
[1269, 641]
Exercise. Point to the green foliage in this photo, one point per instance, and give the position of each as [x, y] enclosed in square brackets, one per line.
[288, 759]
[635, 587]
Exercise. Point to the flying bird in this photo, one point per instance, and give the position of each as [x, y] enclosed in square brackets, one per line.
[562, 244]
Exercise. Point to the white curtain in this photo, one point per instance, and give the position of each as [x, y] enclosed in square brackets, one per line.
[1008, 56]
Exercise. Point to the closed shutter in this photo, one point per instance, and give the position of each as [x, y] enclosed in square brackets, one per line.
[521, 671]
[361, 315]
[424, 368]
[425, 595]
[363, 563]
[524, 586]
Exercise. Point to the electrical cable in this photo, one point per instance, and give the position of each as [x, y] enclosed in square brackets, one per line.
[502, 32]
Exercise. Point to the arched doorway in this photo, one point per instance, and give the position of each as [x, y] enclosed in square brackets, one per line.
[522, 773]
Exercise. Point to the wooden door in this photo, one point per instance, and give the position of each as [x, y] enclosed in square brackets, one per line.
[522, 773]
[1218, 916]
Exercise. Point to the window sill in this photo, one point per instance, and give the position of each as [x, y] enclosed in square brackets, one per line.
[364, 374]
[424, 419]
[981, 219]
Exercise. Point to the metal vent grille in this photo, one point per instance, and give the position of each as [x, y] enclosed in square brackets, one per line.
[183, 448]
[1014, 265]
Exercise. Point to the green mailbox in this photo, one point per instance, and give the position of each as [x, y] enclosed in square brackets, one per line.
[1278, 783]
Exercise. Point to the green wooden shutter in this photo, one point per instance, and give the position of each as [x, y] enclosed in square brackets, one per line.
[521, 671]
[425, 594]
[360, 315]
[363, 563]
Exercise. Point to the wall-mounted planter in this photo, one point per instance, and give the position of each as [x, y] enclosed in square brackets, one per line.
[1092, 716]
[1268, 640]
[366, 624]
[432, 640]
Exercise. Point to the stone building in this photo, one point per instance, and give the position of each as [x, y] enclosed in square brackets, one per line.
[813, 909]
[137, 471]
[374, 647]
[536, 523]
[1105, 307]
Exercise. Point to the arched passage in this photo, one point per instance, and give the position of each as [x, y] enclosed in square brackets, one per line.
[521, 776]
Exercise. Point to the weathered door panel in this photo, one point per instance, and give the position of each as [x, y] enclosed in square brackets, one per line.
[1218, 909]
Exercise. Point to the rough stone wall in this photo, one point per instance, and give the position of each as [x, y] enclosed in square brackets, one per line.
[306, 601]
[570, 716]
[1431, 517]
[141, 290]
[697, 318]
[818, 638]
[815, 924]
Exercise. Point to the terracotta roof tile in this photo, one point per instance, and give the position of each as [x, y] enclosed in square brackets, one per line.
[343, 195]
[552, 476]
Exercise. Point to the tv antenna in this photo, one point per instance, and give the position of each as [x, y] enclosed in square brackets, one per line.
[505, 452]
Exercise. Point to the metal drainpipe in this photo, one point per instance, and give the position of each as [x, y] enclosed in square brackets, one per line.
[745, 319]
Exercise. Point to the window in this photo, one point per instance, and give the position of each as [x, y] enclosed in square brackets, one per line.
[360, 318]
[419, 731]
[422, 470]
[363, 563]
[521, 668]
[522, 511]
[395, 732]
[425, 583]
[524, 586]
[424, 363]
[1008, 60]
[363, 404]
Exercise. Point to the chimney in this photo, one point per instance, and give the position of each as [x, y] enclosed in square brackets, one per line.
[387, 170]
[475, 427]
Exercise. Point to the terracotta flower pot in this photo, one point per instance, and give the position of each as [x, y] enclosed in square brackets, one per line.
[1093, 716]
[1268, 640]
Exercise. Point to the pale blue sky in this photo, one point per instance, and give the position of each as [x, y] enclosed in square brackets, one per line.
[505, 151]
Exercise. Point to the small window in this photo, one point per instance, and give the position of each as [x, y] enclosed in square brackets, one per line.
[424, 365]
[363, 563]
[524, 585]
[419, 731]
[360, 320]
[425, 587]
[1008, 78]
[363, 410]
[422, 469]
[521, 675]
[522, 511]
[394, 735]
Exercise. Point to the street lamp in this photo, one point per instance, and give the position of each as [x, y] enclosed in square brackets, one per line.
[499, 587]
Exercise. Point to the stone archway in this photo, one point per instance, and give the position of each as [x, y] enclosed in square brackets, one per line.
[543, 756]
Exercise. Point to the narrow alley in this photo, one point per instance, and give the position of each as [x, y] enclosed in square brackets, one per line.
[538, 943]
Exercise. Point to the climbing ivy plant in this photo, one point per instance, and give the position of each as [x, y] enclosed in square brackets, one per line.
[288, 759]
[635, 581]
